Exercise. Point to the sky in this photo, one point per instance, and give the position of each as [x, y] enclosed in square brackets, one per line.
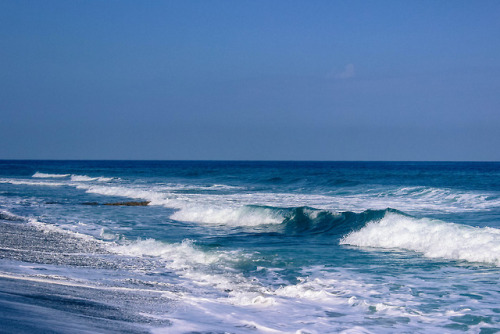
[250, 80]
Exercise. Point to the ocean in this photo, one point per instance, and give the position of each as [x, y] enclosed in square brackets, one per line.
[249, 247]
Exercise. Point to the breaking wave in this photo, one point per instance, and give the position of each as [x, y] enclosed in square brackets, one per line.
[33, 183]
[299, 220]
[244, 216]
[432, 238]
[389, 229]
[48, 176]
[85, 178]
[308, 221]
[72, 177]
[214, 203]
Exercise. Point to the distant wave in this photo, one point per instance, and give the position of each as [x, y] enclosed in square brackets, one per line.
[254, 209]
[85, 178]
[48, 176]
[73, 177]
[432, 238]
[194, 201]
[154, 197]
[443, 199]
[33, 183]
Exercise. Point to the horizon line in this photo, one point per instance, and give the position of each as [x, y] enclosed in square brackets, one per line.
[249, 160]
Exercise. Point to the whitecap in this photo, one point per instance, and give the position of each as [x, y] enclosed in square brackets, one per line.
[85, 178]
[46, 175]
[432, 238]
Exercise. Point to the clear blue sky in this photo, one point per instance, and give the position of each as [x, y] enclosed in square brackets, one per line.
[270, 80]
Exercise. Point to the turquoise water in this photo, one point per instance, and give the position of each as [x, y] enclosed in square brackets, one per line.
[249, 247]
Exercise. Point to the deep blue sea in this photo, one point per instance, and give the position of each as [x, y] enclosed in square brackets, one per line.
[249, 247]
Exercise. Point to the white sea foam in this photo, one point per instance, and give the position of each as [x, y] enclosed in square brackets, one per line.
[443, 199]
[47, 176]
[156, 198]
[209, 271]
[199, 187]
[226, 208]
[214, 269]
[432, 238]
[414, 199]
[235, 209]
[181, 256]
[184, 257]
[216, 210]
[238, 209]
[51, 228]
[33, 183]
[242, 216]
[215, 296]
[82, 178]
[73, 177]
[321, 302]
[85, 178]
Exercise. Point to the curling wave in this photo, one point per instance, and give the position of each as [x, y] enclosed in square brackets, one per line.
[296, 220]
[309, 221]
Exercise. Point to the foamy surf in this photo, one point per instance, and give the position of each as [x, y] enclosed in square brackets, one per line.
[48, 176]
[432, 238]
[33, 183]
[181, 256]
[194, 201]
[250, 247]
[85, 178]
[243, 216]
[154, 197]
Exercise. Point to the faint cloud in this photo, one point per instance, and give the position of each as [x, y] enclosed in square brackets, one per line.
[347, 73]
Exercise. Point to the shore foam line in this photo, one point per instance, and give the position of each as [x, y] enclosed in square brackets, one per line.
[83, 285]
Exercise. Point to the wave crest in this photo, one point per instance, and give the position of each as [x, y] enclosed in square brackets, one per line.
[305, 220]
[48, 176]
[432, 238]
[291, 221]
[244, 216]
[85, 178]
